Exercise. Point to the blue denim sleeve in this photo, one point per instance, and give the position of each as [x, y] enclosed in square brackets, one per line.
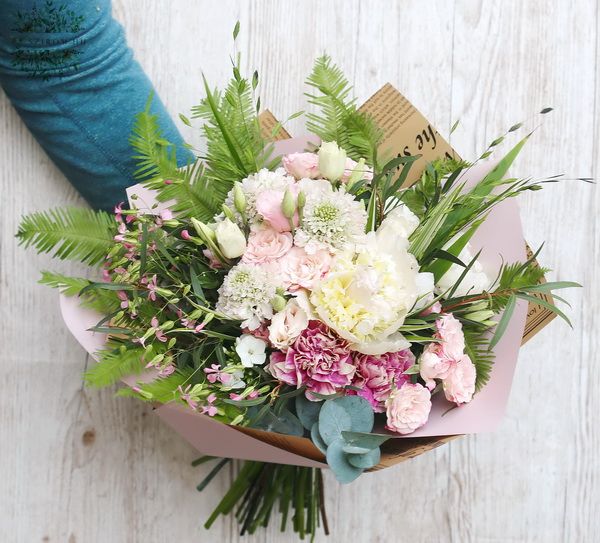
[66, 67]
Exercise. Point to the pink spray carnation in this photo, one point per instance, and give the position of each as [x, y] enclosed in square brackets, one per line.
[302, 165]
[376, 375]
[318, 359]
[408, 408]
[459, 386]
[302, 270]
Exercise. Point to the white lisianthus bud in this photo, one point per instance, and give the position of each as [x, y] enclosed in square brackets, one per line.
[231, 239]
[332, 161]
[228, 213]
[357, 173]
[278, 302]
[288, 204]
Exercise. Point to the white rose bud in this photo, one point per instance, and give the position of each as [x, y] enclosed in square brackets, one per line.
[231, 239]
[332, 161]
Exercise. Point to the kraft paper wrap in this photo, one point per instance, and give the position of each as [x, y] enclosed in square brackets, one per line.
[406, 132]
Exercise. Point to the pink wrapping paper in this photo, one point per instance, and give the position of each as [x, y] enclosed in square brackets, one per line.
[500, 238]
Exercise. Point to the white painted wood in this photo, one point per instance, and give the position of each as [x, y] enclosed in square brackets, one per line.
[80, 465]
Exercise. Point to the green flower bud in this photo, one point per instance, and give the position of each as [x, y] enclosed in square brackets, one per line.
[301, 200]
[228, 213]
[239, 198]
[288, 204]
[278, 303]
[332, 161]
[357, 173]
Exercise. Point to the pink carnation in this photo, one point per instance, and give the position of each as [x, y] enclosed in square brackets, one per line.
[266, 245]
[302, 270]
[376, 375]
[318, 359]
[449, 330]
[459, 386]
[302, 165]
[408, 408]
[268, 204]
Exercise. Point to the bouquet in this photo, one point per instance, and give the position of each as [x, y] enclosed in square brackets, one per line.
[332, 292]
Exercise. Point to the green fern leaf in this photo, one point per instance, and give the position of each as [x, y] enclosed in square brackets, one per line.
[72, 233]
[477, 348]
[162, 390]
[115, 363]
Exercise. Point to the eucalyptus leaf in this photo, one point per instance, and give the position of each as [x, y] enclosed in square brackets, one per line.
[307, 411]
[360, 411]
[366, 460]
[333, 420]
[363, 440]
[316, 438]
[339, 463]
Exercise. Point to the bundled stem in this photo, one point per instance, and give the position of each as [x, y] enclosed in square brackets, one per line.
[259, 486]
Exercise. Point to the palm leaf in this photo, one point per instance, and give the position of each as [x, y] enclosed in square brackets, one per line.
[477, 348]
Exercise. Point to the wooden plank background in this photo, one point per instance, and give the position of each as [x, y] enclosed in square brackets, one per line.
[82, 466]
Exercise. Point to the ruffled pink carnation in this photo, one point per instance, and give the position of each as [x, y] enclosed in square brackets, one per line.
[408, 408]
[459, 386]
[449, 330]
[318, 359]
[266, 245]
[302, 165]
[376, 375]
[302, 270]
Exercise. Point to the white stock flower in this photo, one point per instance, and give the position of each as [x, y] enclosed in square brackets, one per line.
[251, 350]
[246, 294]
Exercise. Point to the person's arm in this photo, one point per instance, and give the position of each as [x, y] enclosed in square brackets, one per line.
[66, 68]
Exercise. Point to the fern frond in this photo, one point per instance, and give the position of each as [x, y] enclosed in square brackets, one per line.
[338, 118]
[477, 348]
[155, 156]
[102, 301]
[163, 390]
[114, 363]
[72, 233]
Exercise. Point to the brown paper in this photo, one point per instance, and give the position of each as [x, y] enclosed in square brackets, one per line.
[406, 132]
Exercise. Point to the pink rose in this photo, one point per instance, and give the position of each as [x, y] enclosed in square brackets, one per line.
[302, 165]
[302, 270]
[350, 165]
[266, 245]
[375, 375]
[268, 204]
[408, 408]
[459, 386]
[318, 359]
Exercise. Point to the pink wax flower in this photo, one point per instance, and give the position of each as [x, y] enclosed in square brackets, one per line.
[302, 165]
[185, 395]
[377, 375]
[151, 285]
[302, 270]
[267, 245]
[268, 204]
[213, 261]
[408, 408]
[318, 359]
[209, 409]
[459, 386]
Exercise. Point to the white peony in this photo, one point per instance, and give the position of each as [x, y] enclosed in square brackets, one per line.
[475, 282]
[400, 222]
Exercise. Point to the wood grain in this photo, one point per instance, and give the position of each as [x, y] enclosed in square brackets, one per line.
[79, 465]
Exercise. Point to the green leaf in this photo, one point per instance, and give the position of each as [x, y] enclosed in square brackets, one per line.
[333, 420]
[365, 460]
[504, 321]
[307, 411]
[339, 463]
[545, 304]
[365, 440]
[316, 438]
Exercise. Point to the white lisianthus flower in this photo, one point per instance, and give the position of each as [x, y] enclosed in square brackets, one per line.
[331, 219]
[475, 282]
[246, 295]
[332, 161]
[287, 325]
[230, 238]
[251, 350]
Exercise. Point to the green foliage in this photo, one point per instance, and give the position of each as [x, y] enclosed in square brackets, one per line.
[72, 233]
[102, 301]
[163, 390]
[338, 118]
[235, 145]
[477, 348]
[114, 363]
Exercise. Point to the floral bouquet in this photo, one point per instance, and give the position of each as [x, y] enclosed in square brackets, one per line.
[319, 303]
